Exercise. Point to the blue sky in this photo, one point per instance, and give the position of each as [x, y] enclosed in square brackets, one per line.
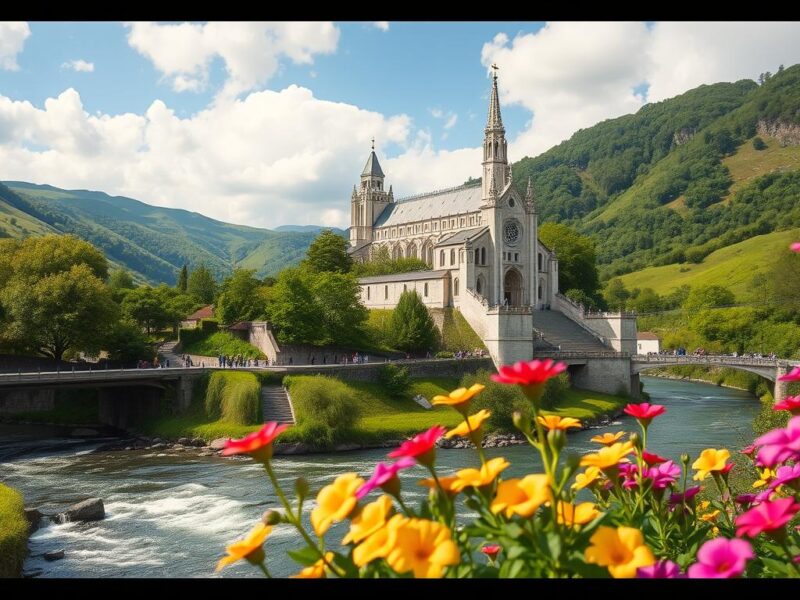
[270, 123]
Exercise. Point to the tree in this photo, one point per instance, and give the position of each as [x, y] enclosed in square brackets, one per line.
[121, 280]
[202, 285]
[68, 309]
[576, 257]
[183, 279]
[337, 298]
[381, 263]
[647, 301]
[40, 257]
[328, 253]
[239, 298]
[292, 310]
[616, 294]
[411, 327]
[709, 296]
[126, 343]
[146, 307]
[759, 143]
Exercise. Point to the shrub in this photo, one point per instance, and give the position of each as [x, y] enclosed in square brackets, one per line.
[502, 400]
[13, 532]
[411, 326]
[555, 390]
[759, 144]
[444, 354]
[233, 397]
[395, 380]
[325, 408]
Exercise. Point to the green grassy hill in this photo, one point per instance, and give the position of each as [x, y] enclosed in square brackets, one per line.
[150, 241]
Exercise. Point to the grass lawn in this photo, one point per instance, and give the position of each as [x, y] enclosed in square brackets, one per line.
[13, 532]
[221, 342]
[583, 404]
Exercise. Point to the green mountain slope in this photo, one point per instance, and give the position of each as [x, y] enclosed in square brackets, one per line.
[152, 242]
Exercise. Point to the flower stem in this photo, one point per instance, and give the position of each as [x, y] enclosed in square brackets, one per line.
[264, 570]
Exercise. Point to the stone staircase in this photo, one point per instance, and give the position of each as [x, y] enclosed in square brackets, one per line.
[275, 404]
[558, 330]
[167, 351]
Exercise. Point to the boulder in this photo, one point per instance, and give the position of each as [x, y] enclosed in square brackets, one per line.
[54, 555]
[158, 446]
[91, 509]
[206, 454]
[198, 443]
[157, 440]
[34, 518]
[218, 444]
[184, 441]
[423, 401]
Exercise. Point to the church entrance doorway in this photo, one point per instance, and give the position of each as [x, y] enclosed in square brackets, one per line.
[512, 288]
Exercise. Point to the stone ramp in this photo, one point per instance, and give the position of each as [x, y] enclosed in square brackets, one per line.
[275, 404]
[559, 330]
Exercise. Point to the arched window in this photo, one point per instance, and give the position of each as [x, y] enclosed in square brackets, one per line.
[477, 256]
[479, 286]
[441, 258]
[405, 288]
[540, 261]
[426, 290]
[455, 287]
[461, 256]
[483, 256]
[386, 292]
[452, 256]
[367, 292]
[540, 292]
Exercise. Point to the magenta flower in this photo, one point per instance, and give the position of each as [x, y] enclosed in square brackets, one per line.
[721, 558]
[663, 475]
[385, 474]
[677, 497]
[644, 412]
[784, 475]
[779, 445]
[745, 499]
[421, 446]
[627, 472]
[795, 247]
[748, 450]
[793, 375]
[663, 569]
[790, 403]
[767, 516]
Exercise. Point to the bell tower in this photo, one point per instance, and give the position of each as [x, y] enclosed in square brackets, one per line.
[368, 200]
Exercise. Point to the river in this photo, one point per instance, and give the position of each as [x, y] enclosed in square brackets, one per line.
[169, 515]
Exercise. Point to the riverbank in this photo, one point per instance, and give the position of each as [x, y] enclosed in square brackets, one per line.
[696, 380]
[13, 532]
[722, 377]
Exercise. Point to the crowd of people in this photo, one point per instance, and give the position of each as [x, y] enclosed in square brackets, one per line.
[700, 351]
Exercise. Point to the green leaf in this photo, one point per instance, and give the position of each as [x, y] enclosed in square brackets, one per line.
[307, 556]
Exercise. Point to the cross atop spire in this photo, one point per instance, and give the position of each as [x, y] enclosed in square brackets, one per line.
[373, 142]
[494, 121]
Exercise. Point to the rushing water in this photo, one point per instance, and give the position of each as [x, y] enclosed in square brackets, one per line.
[171, 515]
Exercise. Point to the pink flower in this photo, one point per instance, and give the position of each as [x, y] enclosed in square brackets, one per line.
[795, 247]
[748, 450]
[790, 403]
[745, 499]
[767, 516]
[663, 475]
[721, 558]
[793, 375]
[779, 445]
[422, 447]
[529, 373]
[652, 459]
[257, 444]
[491, 550]
[663, 569]
[644, 412]
[385, 475]
[627, 472]
[688, 495]
[726, 469]
[784, 475]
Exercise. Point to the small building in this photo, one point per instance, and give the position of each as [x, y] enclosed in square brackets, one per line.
[647, 342]
[241, 330]
[193, 320]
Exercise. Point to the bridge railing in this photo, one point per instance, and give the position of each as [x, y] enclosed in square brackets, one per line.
[570, 355]
[707, 358]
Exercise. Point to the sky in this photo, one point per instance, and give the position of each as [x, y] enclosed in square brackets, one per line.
[268, 124]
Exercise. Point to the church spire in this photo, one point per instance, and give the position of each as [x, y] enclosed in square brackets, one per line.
[494, 120]
[495, 158]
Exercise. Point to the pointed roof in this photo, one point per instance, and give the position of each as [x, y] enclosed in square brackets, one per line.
[494, 121]
[372, 168]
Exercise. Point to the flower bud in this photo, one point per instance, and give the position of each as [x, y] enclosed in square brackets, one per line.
[522, 422]
[556, 439]
[301, 487]
[684, 459]
[271, 517]
[636, 440]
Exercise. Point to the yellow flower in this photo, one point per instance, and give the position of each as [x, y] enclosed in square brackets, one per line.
[459, 399]
[609, 456]
[556, 422]
[710, 460]
[607, 439]
[379, 544]
[371, 518]
[622, 550]
[766, 476]
[479, 478]
[315, 571]
[475, 422]
[703, 505]
[570, 514]
[710, 517]
[424, 547]
[335, 502]
[522, 496]
[587, 478]
[445, 482]
[249, 548]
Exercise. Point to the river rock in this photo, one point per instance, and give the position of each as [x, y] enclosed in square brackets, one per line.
[346, 447]
[297, 448]
[184, 441]
[206, 454]
[128, 447]
[91, 509]
[422, 401]
[158, 446]
[218, 444]
[54, 555]
[84, 432]
[157, 440]
[32, 573]
[34, 518]
[198, 442]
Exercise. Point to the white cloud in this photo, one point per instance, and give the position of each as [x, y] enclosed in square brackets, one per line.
[382, 25]
[251, 51]
[79, 65]
[12, 38]
[451, 121]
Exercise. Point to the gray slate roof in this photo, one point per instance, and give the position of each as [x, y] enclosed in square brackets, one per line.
[444, 203]
[462, 236]
[372, 167]
[413, 276]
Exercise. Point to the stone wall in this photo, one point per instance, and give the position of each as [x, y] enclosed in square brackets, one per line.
[605, 375]
[422, 368]
[387, 295]
[25, 401]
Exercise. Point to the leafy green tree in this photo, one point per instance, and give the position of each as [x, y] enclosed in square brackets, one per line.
[576, 257]
[411, 327]
[121, 280]
[39, 257]
[337, 298]
[202, 285]
[183, 279]
[146, 307]
[581, 297]
[759, 143]
[292, 310]
[709, 296]
[785, 278]
[646, 301]
[328, 253]
[239, 298]
[616, 294]
[70, 309]
[126, 343]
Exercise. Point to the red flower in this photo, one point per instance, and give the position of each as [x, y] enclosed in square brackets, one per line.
[652, 459]
[529, 373]
[257, 444]
[767, 516]
[644, 412]
[793, 375]
[790, 403]
[726, 469]
[492, 550]
[421, 447]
